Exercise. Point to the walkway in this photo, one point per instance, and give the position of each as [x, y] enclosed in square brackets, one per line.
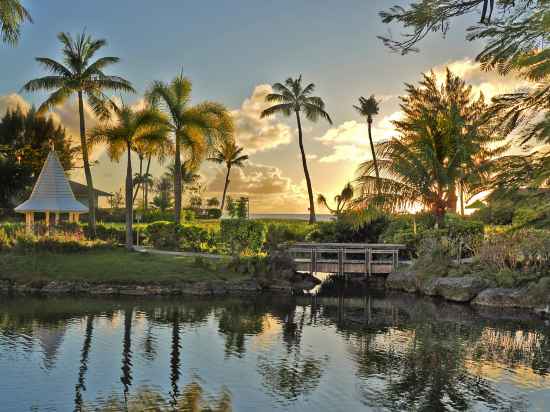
[143, 249]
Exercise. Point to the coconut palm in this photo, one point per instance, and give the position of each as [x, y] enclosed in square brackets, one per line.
[369, 108]
[292, 97]
[131, 128]
[446, 142]
[81, 76]
[230, 154]
[342, 200]
[12, 15]
[196, 128]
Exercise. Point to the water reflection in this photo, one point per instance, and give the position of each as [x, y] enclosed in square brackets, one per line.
[327, 352]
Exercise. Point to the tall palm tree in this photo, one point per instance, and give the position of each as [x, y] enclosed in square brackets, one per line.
[130, 129]
[369, 108]
[159, 149]
[292, 97]
[81, 76]
[196, 128]
[12, 15]
[342, 200]
[232, 155]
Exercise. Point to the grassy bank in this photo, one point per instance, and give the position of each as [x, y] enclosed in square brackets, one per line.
[114, 266]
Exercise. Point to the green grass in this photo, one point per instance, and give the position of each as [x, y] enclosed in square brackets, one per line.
[114, 266]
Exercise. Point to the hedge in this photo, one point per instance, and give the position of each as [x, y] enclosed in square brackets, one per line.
[243, 236]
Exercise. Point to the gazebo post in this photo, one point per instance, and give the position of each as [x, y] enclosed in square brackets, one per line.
[76, 217]
[47, 222]
[28, 220]
[56, 218]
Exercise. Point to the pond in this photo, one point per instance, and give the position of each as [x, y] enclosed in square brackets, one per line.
[323, 353]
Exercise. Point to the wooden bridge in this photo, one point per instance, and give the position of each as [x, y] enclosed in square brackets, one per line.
[346, 258]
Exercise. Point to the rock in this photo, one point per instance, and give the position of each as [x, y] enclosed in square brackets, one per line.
[459, 289]
[504, 298]
[244, 287]
[429, 287]
[405, 281]
[58, 287]
[5, 286]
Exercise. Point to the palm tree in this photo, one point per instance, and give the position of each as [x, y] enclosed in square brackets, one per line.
[131, 128]
[197, 128]
[342, 200]
[232, 155]
[292, 97]
[81, 76]
[12, 15]
[369, 108]
[446, 142]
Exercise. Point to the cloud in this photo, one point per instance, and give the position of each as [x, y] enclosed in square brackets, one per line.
[350, 142]
[266, 186]
[11, 102]
[489, 82]
[259, 134]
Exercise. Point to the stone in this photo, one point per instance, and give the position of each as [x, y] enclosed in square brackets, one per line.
[504, 298]
[58, 287]
[402, 280]
[459, 289]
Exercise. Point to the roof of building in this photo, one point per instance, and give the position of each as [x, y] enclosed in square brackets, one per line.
[52, 192]
[81, 190]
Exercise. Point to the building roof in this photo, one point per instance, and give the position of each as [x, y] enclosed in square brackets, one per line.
[81, 190]
[52, 192]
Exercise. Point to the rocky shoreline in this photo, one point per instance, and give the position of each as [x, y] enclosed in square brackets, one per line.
[469, 290]
[206, 288]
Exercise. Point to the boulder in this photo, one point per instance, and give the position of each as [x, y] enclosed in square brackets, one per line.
[403, 280]
[459, 289]
[504, 298]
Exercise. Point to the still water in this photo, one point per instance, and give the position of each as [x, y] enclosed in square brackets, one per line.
[369, 352]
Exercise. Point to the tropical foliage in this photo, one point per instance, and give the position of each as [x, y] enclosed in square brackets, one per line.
[445, 147]
[81, 75]
[229, 154]
[12, 15]
[292, 97]
[132, 129]
[342, 200]
[196, 128]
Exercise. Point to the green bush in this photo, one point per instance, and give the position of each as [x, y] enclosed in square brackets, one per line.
[213, 213]
[169, 236]
[279, 233]
[343, 230]
[243, 235]
[58, 243]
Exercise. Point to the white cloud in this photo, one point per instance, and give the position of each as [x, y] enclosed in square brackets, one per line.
[259, 134]
[11, 102]
[350, 142]
[489, 82]
[266, 186]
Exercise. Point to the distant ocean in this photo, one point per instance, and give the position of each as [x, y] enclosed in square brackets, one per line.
[293, 216]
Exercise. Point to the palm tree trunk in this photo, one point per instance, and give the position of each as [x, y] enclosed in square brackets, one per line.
[139, 181]
[129, 202]
[146, 182]
[177, 183]
[225, 187]
[87, 170]
[376, 171]
[462, 199]
[312, 218]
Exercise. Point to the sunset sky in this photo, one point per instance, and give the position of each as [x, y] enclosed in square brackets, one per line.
[232, 51]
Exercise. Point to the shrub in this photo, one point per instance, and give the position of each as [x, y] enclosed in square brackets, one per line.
[57, 243]
[243, 235]
[168, 235]
[214, 213]
[279, 233]
[343, 230]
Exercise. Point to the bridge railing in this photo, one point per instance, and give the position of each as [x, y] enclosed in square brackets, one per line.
[346, 258]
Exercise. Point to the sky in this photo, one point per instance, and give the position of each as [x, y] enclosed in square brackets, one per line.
[233, 51]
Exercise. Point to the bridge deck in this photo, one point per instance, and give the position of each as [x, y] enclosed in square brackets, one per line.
[346, 258]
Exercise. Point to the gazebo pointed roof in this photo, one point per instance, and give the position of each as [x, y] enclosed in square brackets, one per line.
[52, 192]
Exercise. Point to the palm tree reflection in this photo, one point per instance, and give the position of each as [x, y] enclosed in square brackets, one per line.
[84, 354]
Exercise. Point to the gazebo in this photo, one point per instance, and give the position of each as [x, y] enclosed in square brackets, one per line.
[51, 194]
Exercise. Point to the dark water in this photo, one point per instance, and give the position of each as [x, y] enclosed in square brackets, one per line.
[393, 352]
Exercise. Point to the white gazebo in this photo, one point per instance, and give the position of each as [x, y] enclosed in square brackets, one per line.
[51, 194]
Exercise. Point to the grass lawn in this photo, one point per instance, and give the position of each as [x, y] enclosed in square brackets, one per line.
[116, 266]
